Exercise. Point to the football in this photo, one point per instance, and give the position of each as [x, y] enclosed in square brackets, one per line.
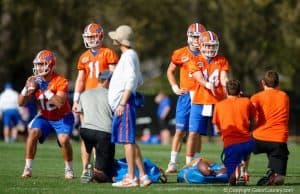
[204, 168]
[100, 177]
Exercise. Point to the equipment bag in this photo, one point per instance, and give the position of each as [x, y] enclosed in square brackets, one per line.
[191, 174]
[155, 173]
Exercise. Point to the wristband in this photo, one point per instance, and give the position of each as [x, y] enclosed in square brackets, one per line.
[24, 92]
[48, 94]
[76, 96]
[175, 88]
[208, 85]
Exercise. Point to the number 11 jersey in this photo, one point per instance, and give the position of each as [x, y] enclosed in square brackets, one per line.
[94, 64]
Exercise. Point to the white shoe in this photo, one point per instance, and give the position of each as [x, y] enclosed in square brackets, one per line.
[26, 172]
[145, 181]
[172, 167]
[126, 182]
[69, 174]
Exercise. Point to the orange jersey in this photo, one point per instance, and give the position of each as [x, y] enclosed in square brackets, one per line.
[93, 65]
[182, 58]
[273, 108]
[232, 117]
[211, 72]
[48, 110]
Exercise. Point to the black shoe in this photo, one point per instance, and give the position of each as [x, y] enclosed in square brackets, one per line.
[268, 179]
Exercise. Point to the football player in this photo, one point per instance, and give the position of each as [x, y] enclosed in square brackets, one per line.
[93, 61]
[50, 91]
[179, 61]
[211, 74]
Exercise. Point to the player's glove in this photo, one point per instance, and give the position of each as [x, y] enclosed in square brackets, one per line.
[43, 85]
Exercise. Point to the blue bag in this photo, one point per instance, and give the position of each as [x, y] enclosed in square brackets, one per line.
[155, 173]
[191, 174]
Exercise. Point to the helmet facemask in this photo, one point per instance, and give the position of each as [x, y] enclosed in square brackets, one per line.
[43, 63]
[210, 49]
[93, 35]
[92, 40]
[41, 69]
[193, 42]
[193, 35]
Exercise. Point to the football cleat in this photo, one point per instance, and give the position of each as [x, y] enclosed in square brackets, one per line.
[87, 174]
[172, 167]
[145, 181]
[268, 179]
[127, 182]
[27, 172]
[69, 174]
[241, 175]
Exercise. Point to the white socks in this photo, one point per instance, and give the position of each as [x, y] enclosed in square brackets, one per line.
[188, 159]
[174, 156]
[68, 165]
[28, 163]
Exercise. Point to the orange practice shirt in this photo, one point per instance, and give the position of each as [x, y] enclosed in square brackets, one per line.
[211, 72]
[232, 116]
[183, 57]
[273, 108]
[48, 110]
[93, 65]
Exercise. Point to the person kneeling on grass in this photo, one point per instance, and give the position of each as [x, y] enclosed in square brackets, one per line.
[95, 131]
[233, 119]
[271, 133]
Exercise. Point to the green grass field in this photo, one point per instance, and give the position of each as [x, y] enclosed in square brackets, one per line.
[48, 172]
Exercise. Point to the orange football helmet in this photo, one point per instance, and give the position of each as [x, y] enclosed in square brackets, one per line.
[93, 35]
[44, 63]
[209, 44]
[193, 34]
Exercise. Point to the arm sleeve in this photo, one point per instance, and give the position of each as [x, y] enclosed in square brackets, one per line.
[133, 77]
[112, 57]
[80, 64]
[225, 65]
[62, 85]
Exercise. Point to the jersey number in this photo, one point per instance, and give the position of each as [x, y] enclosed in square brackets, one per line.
[94, 69]
[213, 78]
[46, 105]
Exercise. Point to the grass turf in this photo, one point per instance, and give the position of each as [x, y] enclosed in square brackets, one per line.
[48, 172]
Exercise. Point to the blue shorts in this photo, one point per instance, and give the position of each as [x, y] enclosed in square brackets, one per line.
[234, 154]
[183, 109]
[199, 123]
[62, 126]
[124, 127]
[11, 117]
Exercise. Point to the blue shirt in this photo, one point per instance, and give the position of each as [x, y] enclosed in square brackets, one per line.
[164, 103]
